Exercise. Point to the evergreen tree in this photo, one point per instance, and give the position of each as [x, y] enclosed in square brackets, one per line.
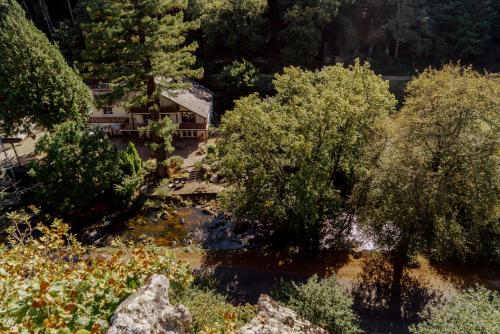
[305, 33]
[139, 46]
[37, 85]
[233, 24]
[462, 29]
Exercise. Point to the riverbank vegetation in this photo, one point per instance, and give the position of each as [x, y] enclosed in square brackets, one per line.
[323, 152]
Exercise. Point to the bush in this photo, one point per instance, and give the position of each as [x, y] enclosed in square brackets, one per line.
[211, 311]
[174, 164]
[54, 284]
[130, 162]
[133, 171]
[322, 302]
[475, 311]
[78, 167]
[211, 150]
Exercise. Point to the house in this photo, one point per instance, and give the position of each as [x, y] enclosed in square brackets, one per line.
[190, 108]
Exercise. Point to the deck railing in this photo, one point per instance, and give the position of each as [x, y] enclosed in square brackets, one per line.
[192, 126]
[144, 110]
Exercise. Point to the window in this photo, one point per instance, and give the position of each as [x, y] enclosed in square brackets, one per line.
[188, 117]
[108, 110]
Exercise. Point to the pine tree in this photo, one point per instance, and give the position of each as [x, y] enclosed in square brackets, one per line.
[139, 46]
[37, 85]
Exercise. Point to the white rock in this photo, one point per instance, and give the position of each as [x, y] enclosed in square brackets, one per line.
[276, 319]
[148, 311]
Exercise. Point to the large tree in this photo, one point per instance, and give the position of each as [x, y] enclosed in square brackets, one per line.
[292, 159]
[463, 29]
[233, 24]
[434, 186]
[37, 86]
[139, 46]
[305, 34]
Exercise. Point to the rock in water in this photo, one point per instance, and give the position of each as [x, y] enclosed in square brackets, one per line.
[148, 311]
[276, 319]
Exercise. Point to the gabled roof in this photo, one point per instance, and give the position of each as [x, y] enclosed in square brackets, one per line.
[197, 98]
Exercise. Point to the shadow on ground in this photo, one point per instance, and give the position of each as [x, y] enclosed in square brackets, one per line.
[371, 294]
[245, 274]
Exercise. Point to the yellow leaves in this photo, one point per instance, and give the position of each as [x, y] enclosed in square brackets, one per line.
[57, 290]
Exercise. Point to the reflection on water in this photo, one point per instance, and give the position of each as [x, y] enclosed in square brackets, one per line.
[169, 227]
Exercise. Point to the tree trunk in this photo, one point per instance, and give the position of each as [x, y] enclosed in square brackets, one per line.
[399, 262]
[70, 12]
[27, 10]
[46, 17]
[399, 19]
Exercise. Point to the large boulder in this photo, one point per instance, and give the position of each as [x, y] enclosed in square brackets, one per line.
[276, 319]
[148, 311]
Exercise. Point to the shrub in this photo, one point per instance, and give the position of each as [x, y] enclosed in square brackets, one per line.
[211, 150]
[198, 165]
[211, 311]
[130, 162]
[78, 167]
[53, 284]
[174, 164]
[323, 302]
[133, 170]
[475, 311]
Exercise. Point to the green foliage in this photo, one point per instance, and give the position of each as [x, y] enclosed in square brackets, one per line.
[303, 37]
[434, 188]
[37, 86]
[174, 163]
[162, 131]
[227, 23]
[211, 311]
[130, 161]
[463, 29]
[132, 43]
[78, 166]
[474, 311]
[323, 302]
[53, 284]
[133, 171]
[211, 150]
[140, 47]
[239, 78]
[292, 158]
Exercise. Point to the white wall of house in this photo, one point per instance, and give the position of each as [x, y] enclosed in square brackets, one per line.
[117, 111]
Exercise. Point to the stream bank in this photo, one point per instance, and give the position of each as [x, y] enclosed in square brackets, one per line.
[242, 268]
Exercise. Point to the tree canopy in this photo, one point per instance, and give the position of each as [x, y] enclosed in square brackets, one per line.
[434, 188]
[226, 23]
[79, 166]
[131, 43]
[292, 158]
[37, 87]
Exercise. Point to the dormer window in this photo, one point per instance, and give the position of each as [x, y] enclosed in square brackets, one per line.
[108, 110]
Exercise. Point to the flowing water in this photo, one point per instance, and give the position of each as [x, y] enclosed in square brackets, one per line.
[243, 274]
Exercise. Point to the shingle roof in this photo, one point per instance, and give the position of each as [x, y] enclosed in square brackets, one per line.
[197, 98]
